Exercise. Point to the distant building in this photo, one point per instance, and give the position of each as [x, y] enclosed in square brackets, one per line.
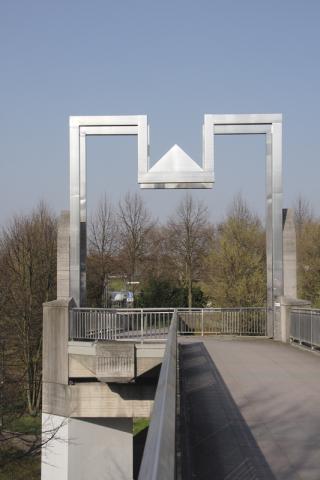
[121, 299]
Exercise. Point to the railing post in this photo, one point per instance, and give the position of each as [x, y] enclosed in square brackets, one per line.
[300, 327]
[70, 336]
[115, 325]
[202, 322]
[311, 321]
[141, 324]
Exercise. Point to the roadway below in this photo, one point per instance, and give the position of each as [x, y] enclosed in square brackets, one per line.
[250, 409]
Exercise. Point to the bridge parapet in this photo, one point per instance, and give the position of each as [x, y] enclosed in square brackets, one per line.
[305, 327]
[159, 455]
[283, 307]
[88, 324]
[119, 362]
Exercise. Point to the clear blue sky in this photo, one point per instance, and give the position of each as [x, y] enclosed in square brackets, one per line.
[171, 60]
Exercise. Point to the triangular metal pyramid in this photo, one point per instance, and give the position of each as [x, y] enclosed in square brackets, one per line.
[175, 160]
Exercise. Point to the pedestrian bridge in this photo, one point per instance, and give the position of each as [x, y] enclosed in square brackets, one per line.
[248, 408]
[229, 402]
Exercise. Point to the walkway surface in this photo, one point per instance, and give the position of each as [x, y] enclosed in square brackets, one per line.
[250, 409]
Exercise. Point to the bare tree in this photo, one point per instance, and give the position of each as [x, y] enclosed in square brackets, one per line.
[158, 261]
[135, 224]
[302, 213]
[103, 248]
[189, 234]
[27, 279]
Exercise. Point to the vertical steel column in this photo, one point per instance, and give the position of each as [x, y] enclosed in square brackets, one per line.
[269, 236]
[74, 213]
[271, 126]
[83, 219]
[277, 256]
[274, 241]
[143, 144]
[80, 127]
[208, 143]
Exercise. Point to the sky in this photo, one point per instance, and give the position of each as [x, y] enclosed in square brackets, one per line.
[172, 60]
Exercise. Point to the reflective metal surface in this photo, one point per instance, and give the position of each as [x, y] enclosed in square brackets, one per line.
[271, 126]
[80, 127]
[177, 170]
[164, 185]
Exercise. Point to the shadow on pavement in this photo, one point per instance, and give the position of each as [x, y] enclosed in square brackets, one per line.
[216, 442]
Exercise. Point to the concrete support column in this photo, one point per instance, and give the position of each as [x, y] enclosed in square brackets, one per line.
[54, 452]
[282, 304]
[63, 254]
[100, 448]
[285, 304]
[88, 448]
[289, 254]
[55, 378]
[55, 341]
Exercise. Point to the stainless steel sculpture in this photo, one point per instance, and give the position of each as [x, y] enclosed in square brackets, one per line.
[80, 127]
[177, 170]
[271, 126]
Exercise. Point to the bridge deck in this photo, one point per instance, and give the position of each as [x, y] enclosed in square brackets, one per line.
[250, 409]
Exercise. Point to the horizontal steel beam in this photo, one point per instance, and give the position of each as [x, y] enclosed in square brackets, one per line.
[243, 129]
[78, 121]
[235, 119]
[110, 130]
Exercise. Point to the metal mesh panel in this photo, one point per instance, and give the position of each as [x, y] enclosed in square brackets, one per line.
[305, 326]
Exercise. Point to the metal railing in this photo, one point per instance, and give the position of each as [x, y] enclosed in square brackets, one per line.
[305, 326]
[119, 324]
[223, 321]
[148, 323]
[158, 461]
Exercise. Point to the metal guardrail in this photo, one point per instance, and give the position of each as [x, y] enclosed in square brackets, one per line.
[126, 324]
[158, 461]
[305, 326]
[119, 324]
[223, 321]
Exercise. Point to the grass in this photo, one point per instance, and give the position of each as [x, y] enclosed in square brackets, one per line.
[140, 424]
[25, 467]
[21, 469]
[26, 424]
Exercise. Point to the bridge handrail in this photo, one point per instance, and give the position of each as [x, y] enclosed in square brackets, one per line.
[153, 323]
[119, 324]
[305, 326]
[158, 461]
[166, 309]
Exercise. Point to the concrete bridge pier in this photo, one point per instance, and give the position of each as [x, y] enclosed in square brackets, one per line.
[288, 300]
[91, 393]
[81, 445]
[84, 448]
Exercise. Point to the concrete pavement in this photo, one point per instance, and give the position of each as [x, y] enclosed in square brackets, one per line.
[250, 409]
